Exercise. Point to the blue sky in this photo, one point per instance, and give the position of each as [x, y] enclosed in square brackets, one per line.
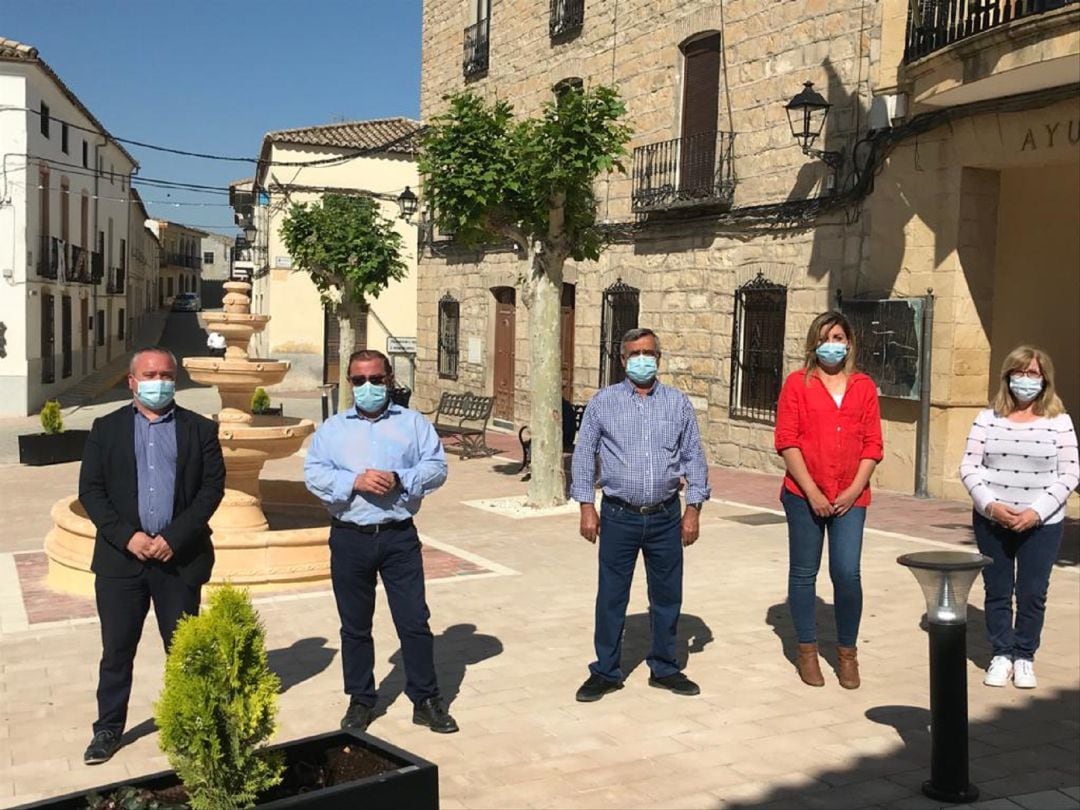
[213, 76]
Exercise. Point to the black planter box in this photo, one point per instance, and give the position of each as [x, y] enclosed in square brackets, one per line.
[413, 786]
[37, 449]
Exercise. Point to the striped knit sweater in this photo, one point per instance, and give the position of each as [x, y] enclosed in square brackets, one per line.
[1023, 465]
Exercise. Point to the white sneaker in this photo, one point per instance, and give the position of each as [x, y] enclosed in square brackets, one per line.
[999, 672]
[1024, 674]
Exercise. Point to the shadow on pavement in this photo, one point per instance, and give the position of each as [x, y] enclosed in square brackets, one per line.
[693, 637]
[303, 659]
[456, 648]
[1019, 749]
[143, 729]
[778, 617]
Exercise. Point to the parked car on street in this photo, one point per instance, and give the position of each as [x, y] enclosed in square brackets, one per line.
[187, 302]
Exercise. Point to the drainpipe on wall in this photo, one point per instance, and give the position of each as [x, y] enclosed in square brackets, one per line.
[94, 286]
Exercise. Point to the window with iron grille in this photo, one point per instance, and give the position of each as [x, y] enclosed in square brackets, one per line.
[45, 119]
[64, 138]
[757, 349]
[619, 316]
[567, 17]
[449, 324]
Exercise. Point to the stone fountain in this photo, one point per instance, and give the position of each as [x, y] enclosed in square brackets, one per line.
[267, 534]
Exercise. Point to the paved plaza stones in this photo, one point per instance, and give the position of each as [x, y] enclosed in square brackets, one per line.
[512, 603]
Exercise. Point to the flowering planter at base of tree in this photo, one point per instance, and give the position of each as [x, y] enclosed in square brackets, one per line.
[405, 782]
[38, 449]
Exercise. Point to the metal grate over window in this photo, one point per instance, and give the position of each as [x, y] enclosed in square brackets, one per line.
[449, 326]
[619, 315]
[757, 349]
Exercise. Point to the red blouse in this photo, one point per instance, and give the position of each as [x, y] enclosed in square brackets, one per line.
[833, 439]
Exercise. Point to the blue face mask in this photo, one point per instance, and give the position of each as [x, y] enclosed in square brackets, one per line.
[1024, 389]
[831, 354]
[369, 398]
[641, 368]
[156, 394]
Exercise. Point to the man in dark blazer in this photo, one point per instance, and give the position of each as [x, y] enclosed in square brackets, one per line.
[152, 475]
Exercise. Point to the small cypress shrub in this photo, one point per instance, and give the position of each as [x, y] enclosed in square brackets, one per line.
[52, 421]
[260, 401]
[219, 705]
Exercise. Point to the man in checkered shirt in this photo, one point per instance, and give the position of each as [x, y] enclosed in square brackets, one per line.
[647, 439]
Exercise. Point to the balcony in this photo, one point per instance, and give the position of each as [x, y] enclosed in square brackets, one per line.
[182, 260]
[115, 284]
[48, 261]
[79, 266]
[962, 51]
[97, 267]
[475, 61]
[567, 17]
[690, 172]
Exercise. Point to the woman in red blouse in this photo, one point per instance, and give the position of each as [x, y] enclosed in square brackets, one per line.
[828, 430]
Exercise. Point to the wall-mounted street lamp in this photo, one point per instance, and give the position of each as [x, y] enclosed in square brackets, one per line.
[408, 203]
[249, 232]
[806, 114]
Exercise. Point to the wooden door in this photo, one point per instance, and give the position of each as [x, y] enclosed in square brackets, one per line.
[701, 98]
[566, 337]
[65, 335]
[505, 317]
[333, 352]
[84, 332]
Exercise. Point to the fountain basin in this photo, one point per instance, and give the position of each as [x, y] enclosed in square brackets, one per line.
[294, 552]
[236, 373]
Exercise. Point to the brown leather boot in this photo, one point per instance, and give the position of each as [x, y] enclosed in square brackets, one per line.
[809, 666]
[848, 667]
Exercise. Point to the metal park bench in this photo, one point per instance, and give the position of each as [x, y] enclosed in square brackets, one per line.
[465, 416]
[572, 414]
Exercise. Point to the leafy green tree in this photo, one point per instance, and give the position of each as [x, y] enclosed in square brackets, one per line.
[490, 176]
[352, 253]
[219, 705]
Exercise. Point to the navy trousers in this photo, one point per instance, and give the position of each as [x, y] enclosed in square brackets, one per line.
[1021, 567]
[356, 559]
[659, 538]
[122, 604]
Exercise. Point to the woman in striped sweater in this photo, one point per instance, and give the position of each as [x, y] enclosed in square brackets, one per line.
[1020, 466]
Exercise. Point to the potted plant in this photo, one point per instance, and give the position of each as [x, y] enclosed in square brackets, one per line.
[54, 445]
[260, 404]
[217, 711]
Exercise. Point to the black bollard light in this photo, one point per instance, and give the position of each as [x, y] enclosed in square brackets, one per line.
[946, 578]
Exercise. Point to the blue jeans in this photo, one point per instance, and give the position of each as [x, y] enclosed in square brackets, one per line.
[806, 538]
[659, 538]
[1022, 565]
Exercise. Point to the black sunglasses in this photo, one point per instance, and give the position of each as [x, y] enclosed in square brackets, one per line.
[374, 379]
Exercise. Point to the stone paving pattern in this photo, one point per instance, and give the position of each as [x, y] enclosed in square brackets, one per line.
[513, 645]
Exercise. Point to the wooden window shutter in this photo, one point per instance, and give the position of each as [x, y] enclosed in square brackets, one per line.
[701, 87]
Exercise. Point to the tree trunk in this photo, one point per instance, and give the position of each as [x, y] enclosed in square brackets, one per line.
[346, 315]
[547, 486]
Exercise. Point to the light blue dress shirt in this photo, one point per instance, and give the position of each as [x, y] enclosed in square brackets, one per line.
[399, 440]
[155, 469]
[646, 444]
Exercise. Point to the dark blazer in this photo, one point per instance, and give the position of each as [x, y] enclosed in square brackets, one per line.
[109, 491]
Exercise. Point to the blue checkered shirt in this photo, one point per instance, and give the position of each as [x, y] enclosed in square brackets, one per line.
[646, 444]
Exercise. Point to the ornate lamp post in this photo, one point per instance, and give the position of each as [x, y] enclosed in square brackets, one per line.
[807, 112]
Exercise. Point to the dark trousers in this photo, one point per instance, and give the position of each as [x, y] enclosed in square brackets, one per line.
[394, 556]
[122, 604]
[1022, 566]
[659, 538]
[806, 541]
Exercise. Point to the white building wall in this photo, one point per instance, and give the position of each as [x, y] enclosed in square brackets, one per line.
[13, 247]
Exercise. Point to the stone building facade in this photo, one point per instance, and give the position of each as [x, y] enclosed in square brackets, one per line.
[960, 154]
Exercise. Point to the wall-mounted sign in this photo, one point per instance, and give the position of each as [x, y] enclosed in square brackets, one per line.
[475, 347]
[401, 345]
[283, 261]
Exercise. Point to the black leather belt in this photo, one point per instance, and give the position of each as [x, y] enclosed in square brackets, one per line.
[641, 510]
[373, 528]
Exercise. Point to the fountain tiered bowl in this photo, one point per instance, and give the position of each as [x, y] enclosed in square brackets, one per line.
[267, 534]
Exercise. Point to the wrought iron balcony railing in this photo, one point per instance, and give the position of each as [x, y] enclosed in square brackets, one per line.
[97, 267]
[79, 267]
[935, 24]
[115, 284]
[475, 60]
[684, 172]
[48, 263]
[567, 16]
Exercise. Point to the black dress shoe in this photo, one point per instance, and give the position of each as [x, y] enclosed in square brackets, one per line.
[676, 682]
[595, 688]
[432, 713]
[101, 748]
[357, 717]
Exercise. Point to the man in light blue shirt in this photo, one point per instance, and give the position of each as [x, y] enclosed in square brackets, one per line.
[647, 438]
[372, 467]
